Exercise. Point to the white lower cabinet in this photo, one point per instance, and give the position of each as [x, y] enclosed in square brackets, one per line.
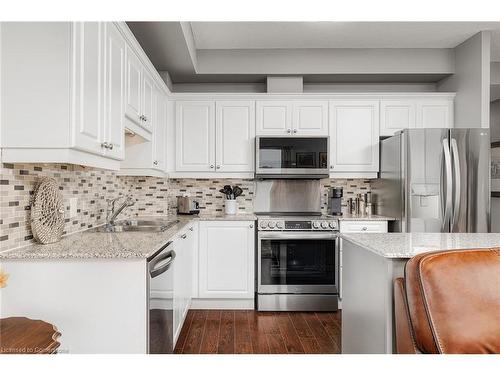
[226, 259]
[185, 247]
[365, 226]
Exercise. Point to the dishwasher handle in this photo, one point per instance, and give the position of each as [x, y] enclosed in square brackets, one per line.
[161, 263]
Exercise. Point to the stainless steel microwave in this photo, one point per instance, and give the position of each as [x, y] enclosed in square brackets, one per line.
[291, 157]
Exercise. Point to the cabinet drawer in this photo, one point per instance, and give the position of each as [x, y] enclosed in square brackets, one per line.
[363, 226]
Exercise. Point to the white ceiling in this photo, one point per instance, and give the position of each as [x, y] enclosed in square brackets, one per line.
[265, 35]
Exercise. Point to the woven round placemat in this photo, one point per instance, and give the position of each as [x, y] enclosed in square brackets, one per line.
[47, 212]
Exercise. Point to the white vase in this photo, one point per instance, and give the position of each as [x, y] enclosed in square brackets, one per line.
[230, 205]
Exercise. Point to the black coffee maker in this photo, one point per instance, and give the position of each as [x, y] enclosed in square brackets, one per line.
[336, 194]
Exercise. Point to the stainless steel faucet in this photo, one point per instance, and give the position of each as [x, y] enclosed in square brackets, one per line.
[112, 213]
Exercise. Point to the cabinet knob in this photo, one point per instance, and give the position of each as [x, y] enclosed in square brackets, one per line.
[141, 117]
[155, 162]
[331, 166]
[184, 236]
[191, 229]
[211, 166]
[145, 118]
[289, 131]
[110, 146]
[251, 225]
[294, 131]
[218, 167]
[104, 145]
[364, 228]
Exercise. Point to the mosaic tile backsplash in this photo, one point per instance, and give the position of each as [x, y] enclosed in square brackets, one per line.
[94, 187]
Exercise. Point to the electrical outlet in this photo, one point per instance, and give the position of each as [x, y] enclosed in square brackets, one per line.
[73, 204]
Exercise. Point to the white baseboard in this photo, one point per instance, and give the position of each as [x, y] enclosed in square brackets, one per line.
[233, 304]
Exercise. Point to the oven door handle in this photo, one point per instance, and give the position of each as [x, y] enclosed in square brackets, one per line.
[298, 235]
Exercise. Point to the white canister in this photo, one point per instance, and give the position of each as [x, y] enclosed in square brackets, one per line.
[230, 206]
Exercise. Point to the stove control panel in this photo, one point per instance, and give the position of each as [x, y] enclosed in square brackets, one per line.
[298, 225]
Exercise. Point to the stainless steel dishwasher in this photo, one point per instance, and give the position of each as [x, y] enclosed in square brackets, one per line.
[161, 301]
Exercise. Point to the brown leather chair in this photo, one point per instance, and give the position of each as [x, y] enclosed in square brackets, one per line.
[449, 302]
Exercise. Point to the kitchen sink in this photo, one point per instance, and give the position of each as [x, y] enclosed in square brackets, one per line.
[136, 225]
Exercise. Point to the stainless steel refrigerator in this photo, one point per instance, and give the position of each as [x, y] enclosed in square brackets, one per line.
[435, 180]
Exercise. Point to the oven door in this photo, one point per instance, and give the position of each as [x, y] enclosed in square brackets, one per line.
[298, 262]
[291, 157]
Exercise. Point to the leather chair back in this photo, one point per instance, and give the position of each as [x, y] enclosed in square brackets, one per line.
[449, 302]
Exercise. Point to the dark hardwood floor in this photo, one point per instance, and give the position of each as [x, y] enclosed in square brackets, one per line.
[253, 332]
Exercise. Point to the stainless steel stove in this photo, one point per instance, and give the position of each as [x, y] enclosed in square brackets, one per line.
[298, 263]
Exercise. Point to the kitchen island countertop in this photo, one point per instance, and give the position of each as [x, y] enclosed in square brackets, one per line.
[407, 245]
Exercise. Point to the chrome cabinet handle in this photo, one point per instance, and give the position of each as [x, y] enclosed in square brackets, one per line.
[141, 117]
[289, 131]
[110, 146]
[191, 229]
[294, 131]
[145, 118]
[155, 162]
[251, 225]
[184, 236]
[104, 145]
[331, 166]
[211, 166]
[218, 167]
[364, 228]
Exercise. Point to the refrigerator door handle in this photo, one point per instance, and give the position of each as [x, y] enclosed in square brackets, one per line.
[448, 189]
[457, 181]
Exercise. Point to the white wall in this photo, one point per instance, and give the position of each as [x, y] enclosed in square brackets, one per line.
[471, 82]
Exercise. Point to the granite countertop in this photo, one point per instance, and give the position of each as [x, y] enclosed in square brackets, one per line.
[351, 217]
[407, 245]
[124, 245]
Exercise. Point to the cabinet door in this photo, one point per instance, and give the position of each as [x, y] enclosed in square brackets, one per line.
[396, 115]
[235, 134]
[148, 101]
[160, 133]
[310, 117]
[115, 92]
[195, 136]
[435, 114]
[88, 55]
[274, 117]
[354, 133]
[133, 87]
[226, 259]
[178, 269]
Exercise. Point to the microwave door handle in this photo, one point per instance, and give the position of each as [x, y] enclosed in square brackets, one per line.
[457, 181]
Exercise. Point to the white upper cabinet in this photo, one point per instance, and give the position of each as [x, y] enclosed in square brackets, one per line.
[88, 86]
[274, 117]
[195, 136]
[354, 135]
[115, 92]
[396, 115]
[134, 87]
[87, 78]
[235, 136]
[310, 117]
[148, 101]
[226, 259]
[415, 112]
[434, 113]
[160, 133]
